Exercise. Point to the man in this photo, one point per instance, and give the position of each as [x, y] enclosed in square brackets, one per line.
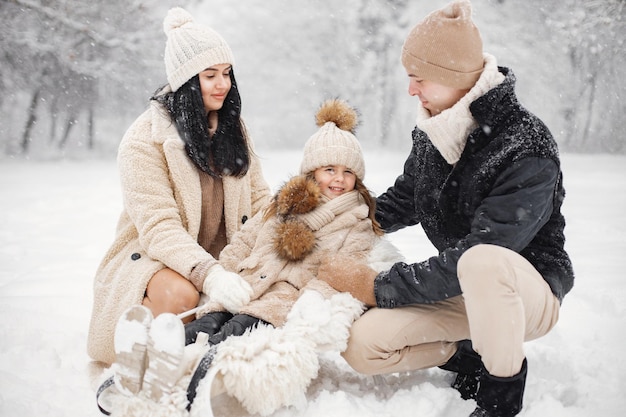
[483, 179]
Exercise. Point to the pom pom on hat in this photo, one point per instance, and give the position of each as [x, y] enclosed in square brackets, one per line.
[334, 143]
[446, 47]
[176, 18]
[191, 48]
[339, 113]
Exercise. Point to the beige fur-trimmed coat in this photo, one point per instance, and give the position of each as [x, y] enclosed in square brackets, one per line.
[339, 227]
[160, 221]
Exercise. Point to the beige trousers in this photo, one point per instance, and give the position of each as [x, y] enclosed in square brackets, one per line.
[505, 302]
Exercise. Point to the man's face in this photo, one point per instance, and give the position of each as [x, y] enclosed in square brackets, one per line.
[434, 97]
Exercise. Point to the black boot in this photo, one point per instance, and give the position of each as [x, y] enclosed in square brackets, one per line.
[236, 326]
[210, 324]
[500, 397]
[468, 366]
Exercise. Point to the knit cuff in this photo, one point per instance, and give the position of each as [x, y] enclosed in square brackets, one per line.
[200, 271]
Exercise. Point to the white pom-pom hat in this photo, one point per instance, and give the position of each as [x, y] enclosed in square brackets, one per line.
[334, 143]
[191, 48]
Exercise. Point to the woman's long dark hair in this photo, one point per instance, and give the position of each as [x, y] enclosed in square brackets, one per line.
[226, 153]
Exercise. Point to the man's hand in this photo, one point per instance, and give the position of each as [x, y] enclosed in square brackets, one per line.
[351, 275]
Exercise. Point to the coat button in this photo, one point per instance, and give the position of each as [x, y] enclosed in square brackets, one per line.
[244, 219]
[135, 256]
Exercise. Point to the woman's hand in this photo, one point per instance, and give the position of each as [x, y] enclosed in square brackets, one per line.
[227, 288]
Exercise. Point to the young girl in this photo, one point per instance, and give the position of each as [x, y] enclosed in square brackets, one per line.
[325, 212]
[189, 181]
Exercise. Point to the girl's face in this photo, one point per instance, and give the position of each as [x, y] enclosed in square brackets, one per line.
[214, 85]
[434, 97]
[335, 180]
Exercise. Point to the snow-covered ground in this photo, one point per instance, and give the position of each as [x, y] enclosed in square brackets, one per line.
[57, 219]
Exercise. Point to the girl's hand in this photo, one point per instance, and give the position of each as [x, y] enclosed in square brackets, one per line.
[227, 288]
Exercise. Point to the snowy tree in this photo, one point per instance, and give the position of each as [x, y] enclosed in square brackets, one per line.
[383, 28]
[74, 73]
[290, 56]
[595, 32]
[574, 51]
[63, 59]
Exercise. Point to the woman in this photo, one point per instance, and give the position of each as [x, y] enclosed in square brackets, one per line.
[189, 180]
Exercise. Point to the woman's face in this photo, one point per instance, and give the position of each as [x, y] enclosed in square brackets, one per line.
[214, 85]
[335, 180]
[434, 97]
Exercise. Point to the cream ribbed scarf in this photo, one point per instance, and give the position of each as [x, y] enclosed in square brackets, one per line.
[326, 213]
[449, 129]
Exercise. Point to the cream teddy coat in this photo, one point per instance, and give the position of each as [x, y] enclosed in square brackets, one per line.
[340, 226]
[160, 221]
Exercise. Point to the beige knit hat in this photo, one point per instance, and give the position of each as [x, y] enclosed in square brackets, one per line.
[445, 47]
[191, 48]
[334, 143]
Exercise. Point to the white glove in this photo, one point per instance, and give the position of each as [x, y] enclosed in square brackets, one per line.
[227, 288]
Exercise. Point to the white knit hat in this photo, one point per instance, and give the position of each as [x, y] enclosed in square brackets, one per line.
[191, 48]
[334, 143]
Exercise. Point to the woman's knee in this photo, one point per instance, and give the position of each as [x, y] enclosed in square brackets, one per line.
[168, 291]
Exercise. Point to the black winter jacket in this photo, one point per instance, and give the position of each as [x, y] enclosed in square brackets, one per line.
[506, 189]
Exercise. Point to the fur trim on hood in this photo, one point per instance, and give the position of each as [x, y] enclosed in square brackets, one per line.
[299, 195]
[294, 239]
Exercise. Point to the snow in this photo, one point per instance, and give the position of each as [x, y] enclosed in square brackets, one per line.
[129, 333]
[58, 218]
[167, 335]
